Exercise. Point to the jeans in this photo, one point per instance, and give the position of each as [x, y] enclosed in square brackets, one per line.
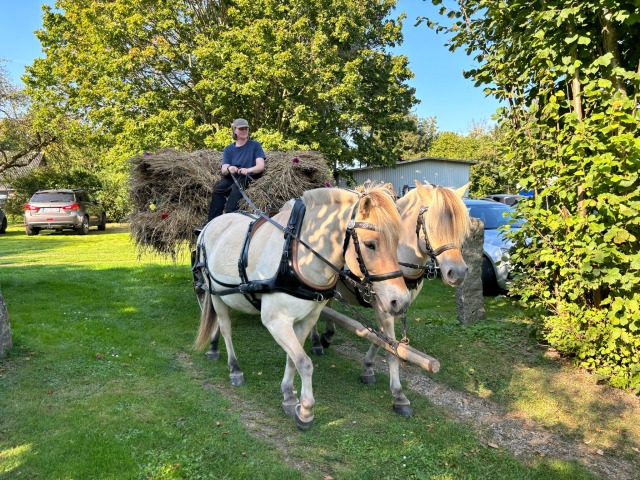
[227, 195]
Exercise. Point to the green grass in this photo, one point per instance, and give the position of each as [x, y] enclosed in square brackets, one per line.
[102, 382]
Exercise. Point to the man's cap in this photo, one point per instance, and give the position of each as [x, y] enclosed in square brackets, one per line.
[239, 122]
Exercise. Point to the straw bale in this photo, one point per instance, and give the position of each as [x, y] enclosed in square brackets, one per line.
[171, 190]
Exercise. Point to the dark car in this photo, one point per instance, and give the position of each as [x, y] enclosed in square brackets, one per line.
[63, 209]
[506, 198]
[3, 221]
[495, 261]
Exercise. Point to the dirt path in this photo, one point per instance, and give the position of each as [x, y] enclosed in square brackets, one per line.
[494, 425]
[500, 429]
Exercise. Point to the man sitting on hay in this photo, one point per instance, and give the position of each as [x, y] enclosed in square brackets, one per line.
[243, 158]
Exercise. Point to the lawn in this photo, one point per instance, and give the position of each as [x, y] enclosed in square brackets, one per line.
[102, 383]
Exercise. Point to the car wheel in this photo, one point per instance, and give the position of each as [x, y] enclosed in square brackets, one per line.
[32, 231]
[102, 226]
[489, 283]
[3, 227]
[84, 228]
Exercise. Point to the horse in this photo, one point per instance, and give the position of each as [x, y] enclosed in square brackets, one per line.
[339, 228]
[435, 222]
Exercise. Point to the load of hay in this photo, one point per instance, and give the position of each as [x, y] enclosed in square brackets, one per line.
[171, 191]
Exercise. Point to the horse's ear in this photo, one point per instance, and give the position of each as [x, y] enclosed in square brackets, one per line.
[365, 206]
[461, 191]
[425, 191]
[426, 184]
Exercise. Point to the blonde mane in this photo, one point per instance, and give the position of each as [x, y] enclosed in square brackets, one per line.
[447, 217]
[383, 214]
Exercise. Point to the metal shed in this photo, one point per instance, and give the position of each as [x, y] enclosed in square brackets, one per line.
[439, 171]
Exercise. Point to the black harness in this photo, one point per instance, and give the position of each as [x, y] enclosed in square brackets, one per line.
[429, 269]
[286, 279]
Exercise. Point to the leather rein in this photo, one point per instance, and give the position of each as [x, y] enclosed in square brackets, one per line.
[363, 285]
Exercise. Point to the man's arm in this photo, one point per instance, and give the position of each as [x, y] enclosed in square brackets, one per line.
[226, 169]
[259, 168]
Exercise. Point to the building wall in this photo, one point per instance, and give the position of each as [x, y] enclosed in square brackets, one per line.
[438, 171]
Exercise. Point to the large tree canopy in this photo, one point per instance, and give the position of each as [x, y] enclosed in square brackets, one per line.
[569, 73]
[305, 73]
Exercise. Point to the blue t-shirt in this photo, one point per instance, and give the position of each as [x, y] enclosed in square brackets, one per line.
[244, 156]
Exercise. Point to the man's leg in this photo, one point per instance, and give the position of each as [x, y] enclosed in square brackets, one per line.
[236, 195]
[221, 191]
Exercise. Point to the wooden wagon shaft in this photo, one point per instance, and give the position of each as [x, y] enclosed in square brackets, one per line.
[405, 352]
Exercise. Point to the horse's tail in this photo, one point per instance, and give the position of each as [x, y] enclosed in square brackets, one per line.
[208, 320]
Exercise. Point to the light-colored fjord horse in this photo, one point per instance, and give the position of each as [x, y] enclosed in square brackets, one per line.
[446, 223]
[289, 318]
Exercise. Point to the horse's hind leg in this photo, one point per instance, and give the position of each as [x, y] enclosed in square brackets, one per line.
[236, 377]
[367, 377]
[214, 350]
[321, 341]
[316, 343]
[327, 337]
[289, 400]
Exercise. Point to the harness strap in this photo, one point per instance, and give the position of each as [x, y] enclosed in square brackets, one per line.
[351, 234]
[420, 225]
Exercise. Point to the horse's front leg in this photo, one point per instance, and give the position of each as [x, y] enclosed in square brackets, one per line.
[401, 404]
[292, 342]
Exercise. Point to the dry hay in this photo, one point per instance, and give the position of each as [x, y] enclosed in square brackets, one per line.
[171, 192]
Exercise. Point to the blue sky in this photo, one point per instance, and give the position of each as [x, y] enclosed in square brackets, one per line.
[443, 91]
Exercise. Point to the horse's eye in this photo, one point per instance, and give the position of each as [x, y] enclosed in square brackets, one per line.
[370, 245]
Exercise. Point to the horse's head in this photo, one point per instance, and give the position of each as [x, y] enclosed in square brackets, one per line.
[442, 223]
[372, 255]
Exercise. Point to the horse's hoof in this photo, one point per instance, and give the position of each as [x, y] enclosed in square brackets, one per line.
[236, 379]
[289, 409]
[368, 379]
[324, 341]
[318, 351]
[403, 410]
[213, 355]
[302, 425]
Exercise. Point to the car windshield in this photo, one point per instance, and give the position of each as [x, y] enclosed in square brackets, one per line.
[493, 215]
[52, 197]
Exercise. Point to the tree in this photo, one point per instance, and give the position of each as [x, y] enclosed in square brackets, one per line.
[20, 140]
[418, 139]
[569, 73]
[143, 75]
[480, 144]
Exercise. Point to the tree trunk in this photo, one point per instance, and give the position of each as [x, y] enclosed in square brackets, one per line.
[5, 329]
[610, 45]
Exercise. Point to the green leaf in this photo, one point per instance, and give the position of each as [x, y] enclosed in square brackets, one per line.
[584, 40]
